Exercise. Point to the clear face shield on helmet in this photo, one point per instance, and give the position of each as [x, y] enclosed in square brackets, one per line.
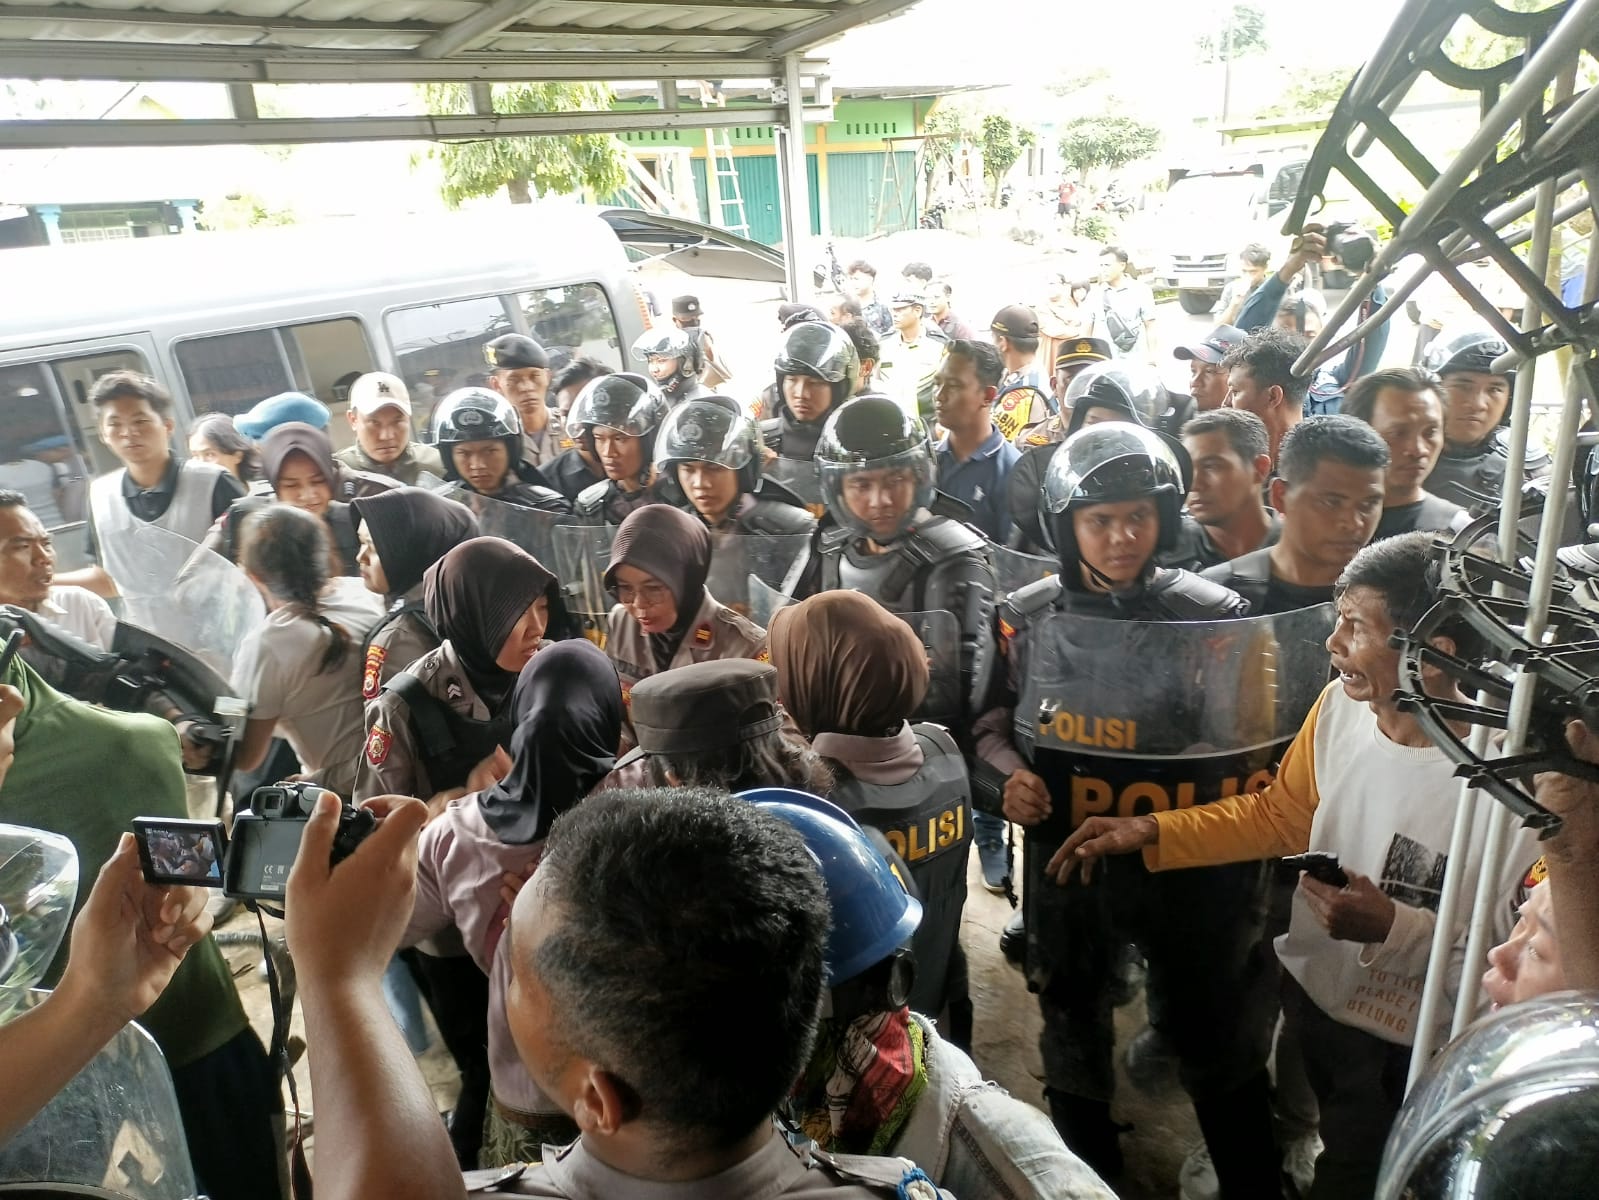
[880, 498]
[710, 433]
[670, 356]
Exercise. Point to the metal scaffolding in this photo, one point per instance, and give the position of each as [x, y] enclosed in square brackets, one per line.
[1536, 154]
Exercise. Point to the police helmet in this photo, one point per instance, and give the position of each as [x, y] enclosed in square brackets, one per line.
[475, 414]
[712, 429]
[872, 433]
[1508, 1111]
[1468, 350]
[671, 343]
[625, 402]
[874, 915]
[1107, 463]
[822, 352]
[513, 352]
[1135, 393]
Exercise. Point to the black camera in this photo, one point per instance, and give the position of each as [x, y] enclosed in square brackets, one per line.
[254, 864]
[1350, 245]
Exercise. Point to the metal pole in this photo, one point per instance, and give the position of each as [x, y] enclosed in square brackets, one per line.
[795, 186]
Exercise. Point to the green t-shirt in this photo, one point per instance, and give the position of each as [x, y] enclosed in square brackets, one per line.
[85, 773]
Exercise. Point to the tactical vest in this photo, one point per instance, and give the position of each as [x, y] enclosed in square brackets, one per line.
[899, 579]
[928, 821]
[451, 745]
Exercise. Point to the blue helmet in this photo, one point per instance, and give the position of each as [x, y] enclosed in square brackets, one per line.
[873, 913]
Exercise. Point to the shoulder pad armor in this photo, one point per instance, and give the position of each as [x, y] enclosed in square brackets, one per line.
[542, 499]
[591, 500]
[1027, 602]
[773, 516]
[1537, 456]
[772, 432]
[944, 538]
[1187, 597]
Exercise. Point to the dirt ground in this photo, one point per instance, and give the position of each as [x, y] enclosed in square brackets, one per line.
[1006, 1046]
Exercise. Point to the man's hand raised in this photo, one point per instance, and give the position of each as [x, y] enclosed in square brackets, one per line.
[1097, 837]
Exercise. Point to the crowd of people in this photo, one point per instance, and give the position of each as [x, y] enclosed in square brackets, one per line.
[682, 715]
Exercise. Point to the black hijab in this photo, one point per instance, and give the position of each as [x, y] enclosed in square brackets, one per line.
[665, 542]
[474, 596]
[412, 528]
[568, 711]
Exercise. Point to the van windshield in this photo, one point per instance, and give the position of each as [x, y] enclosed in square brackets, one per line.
[1212, 195]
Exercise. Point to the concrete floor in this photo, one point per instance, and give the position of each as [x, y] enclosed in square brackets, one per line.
[1006, 1047]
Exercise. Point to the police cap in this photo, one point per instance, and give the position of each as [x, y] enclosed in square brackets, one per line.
[704, 706]
[512, 352]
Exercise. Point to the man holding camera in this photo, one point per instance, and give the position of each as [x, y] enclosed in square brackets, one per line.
[1362, 780]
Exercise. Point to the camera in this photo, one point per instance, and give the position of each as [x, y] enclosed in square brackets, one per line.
[1350, 245]
[255, 863]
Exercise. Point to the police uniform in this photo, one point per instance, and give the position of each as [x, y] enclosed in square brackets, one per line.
[409, 467]
[927, 819]
[605, 503]
[524, 486]
[548, 444]
[753, 515]
[417, 748]
[818, 351]
[1198, 928]
[776, 1170]
[402, 637]
[715, 632]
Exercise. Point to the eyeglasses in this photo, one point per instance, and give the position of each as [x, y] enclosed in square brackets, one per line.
[648, 595]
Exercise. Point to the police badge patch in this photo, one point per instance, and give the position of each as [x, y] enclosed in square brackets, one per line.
[377, 745]
[371, 677]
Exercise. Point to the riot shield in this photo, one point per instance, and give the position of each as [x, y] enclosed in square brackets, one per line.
[200, 602]
[1014, 570]
[114, 1131]
[156, 556]
[940, 635]
[1130, 717]
[38, 884]
[764, 601]
[739, 559]
[528, 528]
[800, 476]
[582, 552]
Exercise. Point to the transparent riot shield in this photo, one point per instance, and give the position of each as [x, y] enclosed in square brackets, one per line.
[192, 598]
[775, 560]
[800, 476]
[155, 558]
[764, 601]
[940, 635]
[582, 552]
[114, 1131]
[532, 530]
[38, 885]
[1130, 717]
[1014, 570]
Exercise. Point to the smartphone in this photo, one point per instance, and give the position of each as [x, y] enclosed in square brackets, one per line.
[1320, 865]
[13, 644]
[176, 850]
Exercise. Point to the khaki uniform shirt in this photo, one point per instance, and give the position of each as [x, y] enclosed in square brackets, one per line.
[395, 646]
[391, 758]
[775, 1170]
[417, 458]
[543, 447]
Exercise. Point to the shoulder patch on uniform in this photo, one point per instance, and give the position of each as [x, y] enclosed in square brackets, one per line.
[765, 655]
[372, 675]
[703, 635]
[377, 745]
[627, 695]
[453, 690]
[1536, 874]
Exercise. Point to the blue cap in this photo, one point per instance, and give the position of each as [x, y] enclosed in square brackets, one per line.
[56, 441]
[280, 410]
[873, 914]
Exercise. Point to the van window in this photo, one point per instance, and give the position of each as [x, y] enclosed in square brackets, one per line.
[439, 347]
[1284, 187]
[576, 320]
[230, 372]
[39, 456]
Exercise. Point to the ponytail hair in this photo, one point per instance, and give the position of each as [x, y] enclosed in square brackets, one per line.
[288, 550]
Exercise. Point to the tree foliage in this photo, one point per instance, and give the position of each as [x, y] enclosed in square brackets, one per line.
[1245, 36]
[1311, 93]
[1002, 143]
[527, 166]
[1087, 143]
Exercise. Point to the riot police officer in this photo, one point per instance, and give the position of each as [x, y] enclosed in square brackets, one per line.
[709, 459]
[1476, 411]
[521, 373]
[615, 418]
[1113, 493]
[878, 480]
[479, 436]
[817, 370]
[674, 361]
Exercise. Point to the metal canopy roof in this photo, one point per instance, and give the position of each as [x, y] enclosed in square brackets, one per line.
[245, 42]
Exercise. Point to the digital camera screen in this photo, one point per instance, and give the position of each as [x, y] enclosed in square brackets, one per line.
[179, 851]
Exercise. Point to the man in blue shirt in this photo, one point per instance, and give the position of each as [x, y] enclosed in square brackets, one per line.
[974, 457]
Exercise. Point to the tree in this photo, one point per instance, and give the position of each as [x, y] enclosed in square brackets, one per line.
[1002, 143]
[525, 166]
[948, 128]
[1107, 141]
[1242, 34]
[1311, 93]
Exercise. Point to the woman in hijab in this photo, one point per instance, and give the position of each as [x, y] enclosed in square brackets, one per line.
[850, 674]
[664, 617]
[297, 461]
[401, 533]
[446, 714]
[568, 716]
